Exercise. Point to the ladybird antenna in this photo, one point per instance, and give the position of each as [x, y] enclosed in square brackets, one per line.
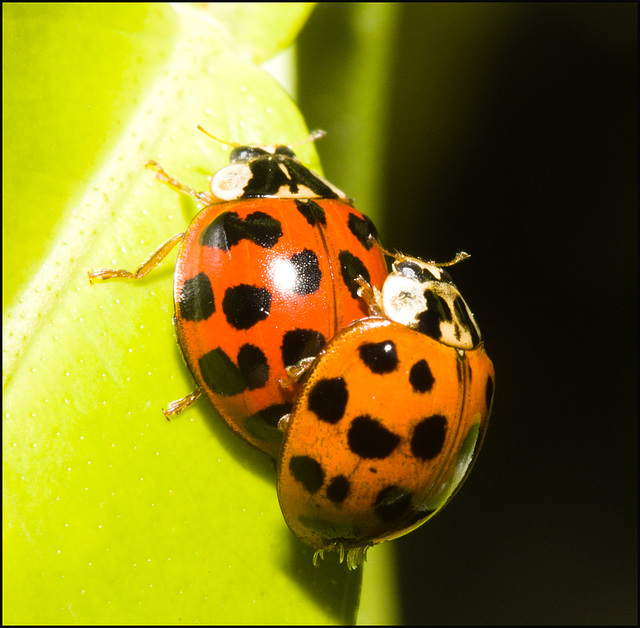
[217, 139]
[460, 255]
[312, 137]
[396, 254]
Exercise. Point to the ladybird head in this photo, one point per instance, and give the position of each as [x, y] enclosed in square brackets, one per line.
[271, 171]
[247, 154]
[422, 296]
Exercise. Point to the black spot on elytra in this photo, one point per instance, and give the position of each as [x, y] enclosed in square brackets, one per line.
[307, 471]
[245, 305]
[312, 212]
[263, 425]
[428, 437]
[298, 344]
[379, 357]
[420, 377]
[391, 503]
[253, 365]
[220, 374]
[489, 393]
[368, 438]
[351, 268]
[338, 489]
[225, 378]
[328, 399]
[272, 415]
[196, 300]
[363, 229]
[308, 273]
[228, 229]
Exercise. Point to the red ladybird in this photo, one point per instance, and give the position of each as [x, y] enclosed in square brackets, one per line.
[389, 418]
[267, 273]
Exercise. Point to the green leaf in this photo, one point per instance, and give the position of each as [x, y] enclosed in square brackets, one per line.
[345, 88]
[112, 514]
[260, 30]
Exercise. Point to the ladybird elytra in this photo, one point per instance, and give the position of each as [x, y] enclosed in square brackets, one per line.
[378, 460]
[251, 302]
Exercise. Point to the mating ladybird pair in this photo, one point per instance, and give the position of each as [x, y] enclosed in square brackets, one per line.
[372, 390]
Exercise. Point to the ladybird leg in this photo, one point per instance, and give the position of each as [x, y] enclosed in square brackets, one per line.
[202, 197]
[295, 372]
[177, 406]
[371, 296]
[317, 554]
[156, 257]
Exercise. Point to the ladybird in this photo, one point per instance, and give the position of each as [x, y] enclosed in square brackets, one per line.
[266, 274]
[389, 418]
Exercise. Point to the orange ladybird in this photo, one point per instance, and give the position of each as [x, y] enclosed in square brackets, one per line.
[390, 417]
[267, 273]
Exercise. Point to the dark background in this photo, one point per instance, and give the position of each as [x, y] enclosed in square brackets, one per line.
[511, 133]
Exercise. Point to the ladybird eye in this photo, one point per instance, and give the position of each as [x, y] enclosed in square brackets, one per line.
[445, 276]
[410, 270]
[243, 154]
[286, 151]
